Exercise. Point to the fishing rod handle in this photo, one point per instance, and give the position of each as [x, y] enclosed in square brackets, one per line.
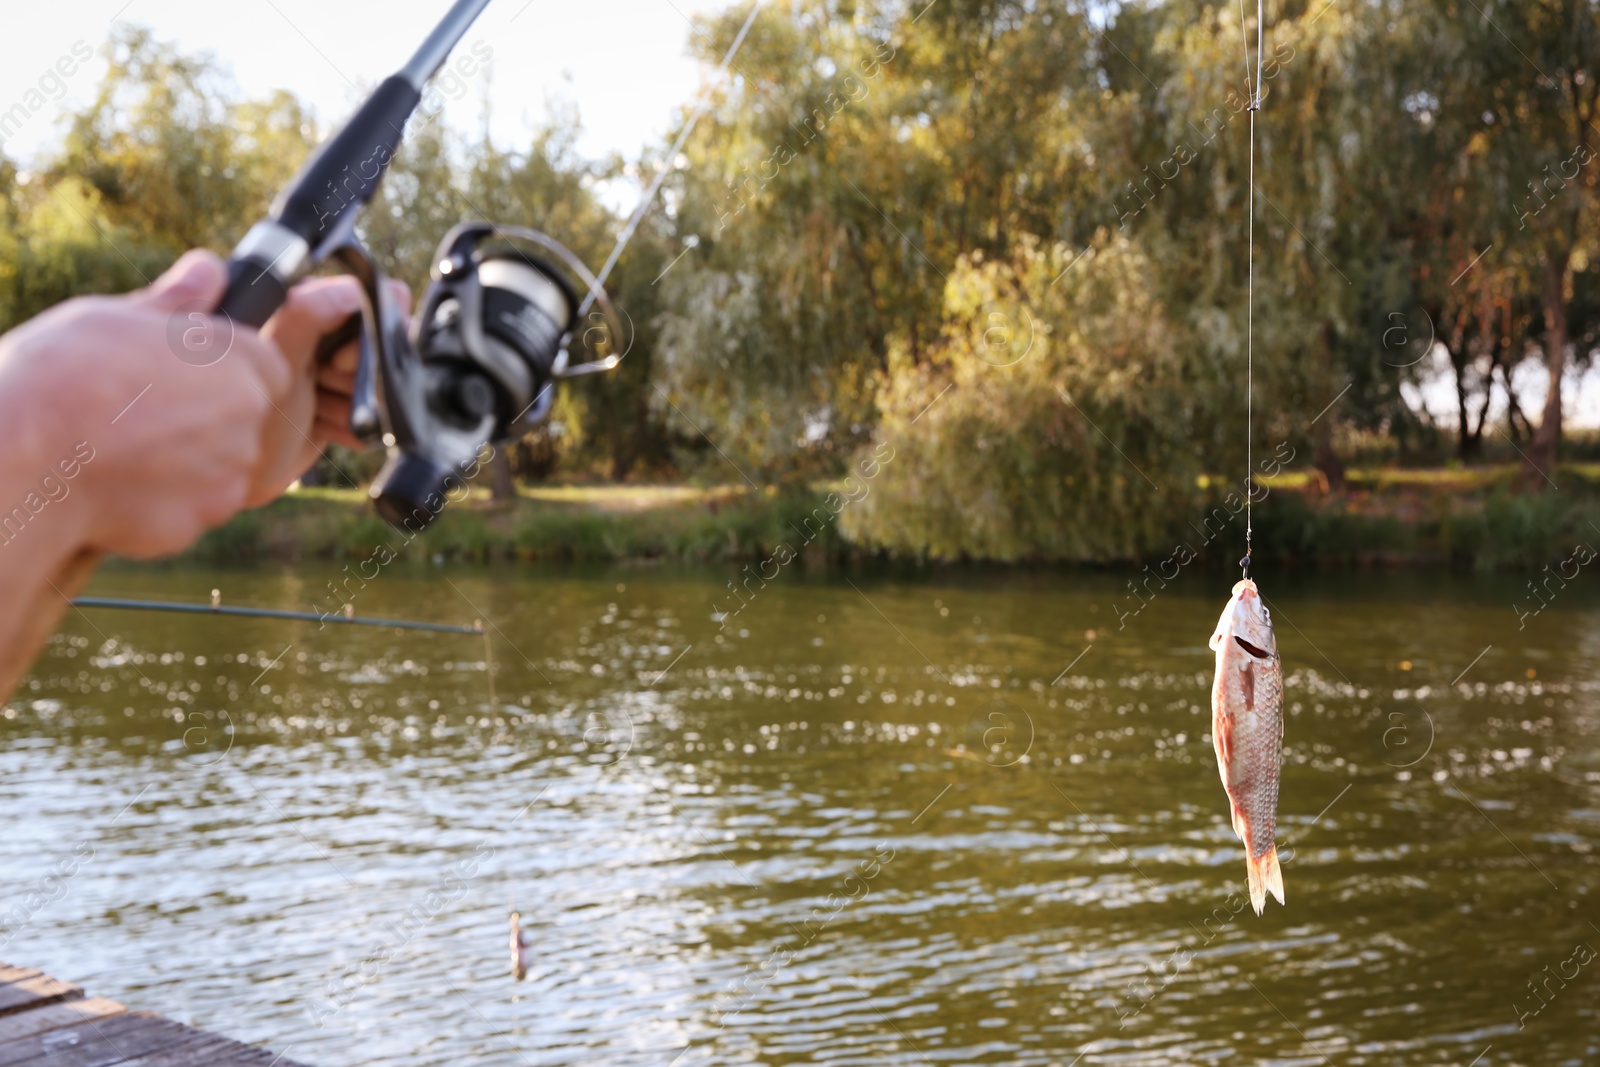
[316, 210]
[254, 292]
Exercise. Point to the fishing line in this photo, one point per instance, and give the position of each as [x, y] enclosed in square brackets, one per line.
[666, 165]
[1250, 285]
[488, 664]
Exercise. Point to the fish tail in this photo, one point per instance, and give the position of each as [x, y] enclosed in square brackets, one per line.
[1265, 877]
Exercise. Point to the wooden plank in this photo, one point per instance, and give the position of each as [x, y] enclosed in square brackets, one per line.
[37, 1020]
[100, 1042]
[220, 1052]
[43, 1020]
[202, 1050]
[215, 1052]
[31, 992]
[243, 1055]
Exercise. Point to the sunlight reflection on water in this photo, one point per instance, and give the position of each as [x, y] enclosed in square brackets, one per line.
[323, 859]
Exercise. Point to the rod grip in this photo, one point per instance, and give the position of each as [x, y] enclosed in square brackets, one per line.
[253, 293]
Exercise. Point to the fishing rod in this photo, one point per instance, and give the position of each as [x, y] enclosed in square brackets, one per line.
[346, 617]
[497, 323]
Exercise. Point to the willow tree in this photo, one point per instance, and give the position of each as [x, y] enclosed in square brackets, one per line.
[165, 157]
[859, 151]
[1051, 419]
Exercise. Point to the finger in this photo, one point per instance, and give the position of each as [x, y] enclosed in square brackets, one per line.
[268, 371]
[334, 411]
[346, 359]
[198, 275]
[338, 384]
[315, 308]
[333, 408]
[333, 421]
[338, 433]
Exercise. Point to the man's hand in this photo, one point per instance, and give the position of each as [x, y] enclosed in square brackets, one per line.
[132, 424]
[177, 430]
[316, 410]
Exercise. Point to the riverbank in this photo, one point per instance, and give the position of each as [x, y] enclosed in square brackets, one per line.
[1471, 518]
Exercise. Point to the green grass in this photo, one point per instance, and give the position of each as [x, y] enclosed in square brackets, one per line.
[1459, 479]
[1470, 517]
[591, 523]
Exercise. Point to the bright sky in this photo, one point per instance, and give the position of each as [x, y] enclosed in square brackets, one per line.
[624, 62]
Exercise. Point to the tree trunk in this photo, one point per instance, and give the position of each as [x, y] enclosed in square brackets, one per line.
[1328, 462]
[1458, 363]
[501, 487]
[1513, 409]
[1547, 441]
[625, 451]
[1475, 445]
[1323, 456]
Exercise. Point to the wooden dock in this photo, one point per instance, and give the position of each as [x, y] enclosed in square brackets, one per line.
[47, 1021]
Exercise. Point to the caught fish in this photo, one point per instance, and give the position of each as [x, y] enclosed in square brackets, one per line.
[1247, 732]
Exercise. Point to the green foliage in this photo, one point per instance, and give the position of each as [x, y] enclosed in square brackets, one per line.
[54, 245]
[338, 525]
[1446, 525]
[857, 158]
[875, 183]
[1521, 531]
[1052, 422]
[164, 158]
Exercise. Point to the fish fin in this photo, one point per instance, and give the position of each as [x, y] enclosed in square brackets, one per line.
[1222, 735]
[1265, 877]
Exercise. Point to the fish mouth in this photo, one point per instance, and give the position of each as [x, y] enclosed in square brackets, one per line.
[1252, 649]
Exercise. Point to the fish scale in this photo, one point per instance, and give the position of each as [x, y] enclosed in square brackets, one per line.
[1247, 732]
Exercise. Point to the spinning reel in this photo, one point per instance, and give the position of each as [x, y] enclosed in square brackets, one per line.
[493, 334]
[495, 329]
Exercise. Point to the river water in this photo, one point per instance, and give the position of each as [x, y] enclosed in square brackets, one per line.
[891, 818]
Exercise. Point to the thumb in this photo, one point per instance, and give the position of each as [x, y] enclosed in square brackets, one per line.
[198, 275]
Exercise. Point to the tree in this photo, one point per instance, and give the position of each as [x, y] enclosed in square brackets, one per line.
[858, 154]
[177, 159]
[1050, 419]
[1512, 88]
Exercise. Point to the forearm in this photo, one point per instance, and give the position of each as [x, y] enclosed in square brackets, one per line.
[44, 559]
[27, 621]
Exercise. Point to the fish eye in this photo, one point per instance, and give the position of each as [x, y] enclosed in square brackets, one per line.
[1265, 614]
